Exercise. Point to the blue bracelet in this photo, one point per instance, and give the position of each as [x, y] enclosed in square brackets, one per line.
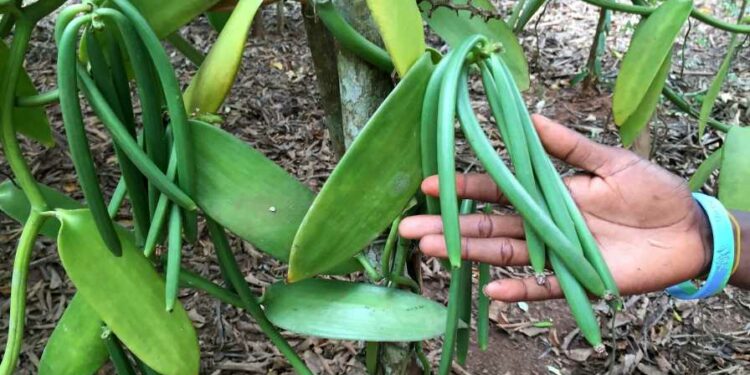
[723, 252]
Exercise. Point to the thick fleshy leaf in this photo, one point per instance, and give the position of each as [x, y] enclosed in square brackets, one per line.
[400, 26]
[249, 194]
[704, 171]
[650, 46]
[455, 27]
[76, 346]
[32, 121]
[371, 184]
[713, 91]
[216, 75]
[165, 17]
[353, 311]
[735, 170]
[127, 294]
[637, 122]
[13, 202]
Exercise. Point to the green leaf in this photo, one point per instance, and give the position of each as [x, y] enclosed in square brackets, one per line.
[13, 202]
[238, 187]
[735, 170]
[218, 19]
[650, 46]
[400, 26]
[713, 91]
[353, 311]
[633, 126]
[32, 121]
[76, 346]
[370, 186]
[455, 27]
[249, 194]
[701, 175]
[127, 294]
[165, 17]
[216, 75]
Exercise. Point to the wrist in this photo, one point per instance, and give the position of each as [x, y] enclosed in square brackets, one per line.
[706, 236]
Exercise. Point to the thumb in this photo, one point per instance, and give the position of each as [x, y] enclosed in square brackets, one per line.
[577, 150]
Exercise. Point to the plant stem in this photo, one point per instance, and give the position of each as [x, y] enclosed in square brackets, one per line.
[6, 24]
[195, 281]
[18, 292]
[390, 244]
[186, 48]
[370, 270]
[117, 353]
[117, 198]
[12, 150]
[645, 11]
[517, 8]
[372, 348]
[250, 303]
[682, 104]
[38, 100]
[592, 74]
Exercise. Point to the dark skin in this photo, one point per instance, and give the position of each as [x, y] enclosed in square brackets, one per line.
[650, 230]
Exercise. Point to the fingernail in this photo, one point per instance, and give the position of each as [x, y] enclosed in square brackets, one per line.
[490, 289]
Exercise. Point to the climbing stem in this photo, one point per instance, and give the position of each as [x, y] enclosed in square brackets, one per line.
[38, 100]
[698, 15]
[13, 153]
[18, 292]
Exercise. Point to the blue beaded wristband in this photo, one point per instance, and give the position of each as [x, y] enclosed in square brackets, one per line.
[723, 252]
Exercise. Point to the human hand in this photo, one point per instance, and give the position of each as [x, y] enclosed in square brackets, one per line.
[651, 232]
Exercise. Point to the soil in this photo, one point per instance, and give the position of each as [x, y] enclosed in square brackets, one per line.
[274, 108]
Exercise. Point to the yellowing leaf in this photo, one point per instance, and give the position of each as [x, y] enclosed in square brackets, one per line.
[215, 77]
[400, 26]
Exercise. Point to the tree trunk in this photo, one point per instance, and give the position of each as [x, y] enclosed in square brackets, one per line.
[363, 88]
[323, 50]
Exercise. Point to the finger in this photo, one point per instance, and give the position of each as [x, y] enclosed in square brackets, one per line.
[476, 186]
[499, 251]
[517, 290]
[579, 151]
[474, 225]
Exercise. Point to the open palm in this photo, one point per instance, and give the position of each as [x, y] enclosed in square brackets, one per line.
[649, 229]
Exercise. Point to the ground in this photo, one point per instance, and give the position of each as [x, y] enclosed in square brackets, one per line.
[274, 108]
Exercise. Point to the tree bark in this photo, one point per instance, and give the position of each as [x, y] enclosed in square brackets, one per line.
[363, 87]
[323, 50]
